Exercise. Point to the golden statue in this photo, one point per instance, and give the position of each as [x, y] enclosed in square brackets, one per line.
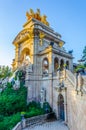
[60, 44]
[43, 20]
[41, 36]
[37, 16]
[30, 14]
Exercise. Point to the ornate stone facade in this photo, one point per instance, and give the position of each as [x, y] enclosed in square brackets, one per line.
[40, 50]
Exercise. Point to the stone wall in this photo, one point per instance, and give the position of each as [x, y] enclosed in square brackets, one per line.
[76, 109]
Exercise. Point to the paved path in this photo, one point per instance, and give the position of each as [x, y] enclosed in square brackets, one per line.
[55, 125]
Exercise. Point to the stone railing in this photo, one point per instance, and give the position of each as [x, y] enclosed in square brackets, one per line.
[78, 81]
[32, 121]
[84, 83]
[71, 77]
[36, 120]
[18, 126]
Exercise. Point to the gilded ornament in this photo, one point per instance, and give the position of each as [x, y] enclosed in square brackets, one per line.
[37, 16]
[43, 20]
[41, 36]
[60, 44]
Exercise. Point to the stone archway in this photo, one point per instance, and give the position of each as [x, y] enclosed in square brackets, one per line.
[61, 111]
[25, 56]
[67, 64]
[56, 64]
[62, 64]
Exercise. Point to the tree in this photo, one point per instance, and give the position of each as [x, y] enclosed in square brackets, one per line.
[5, 71]
[84, 55]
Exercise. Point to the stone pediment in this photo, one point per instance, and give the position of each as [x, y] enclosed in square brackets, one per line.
[23, 35]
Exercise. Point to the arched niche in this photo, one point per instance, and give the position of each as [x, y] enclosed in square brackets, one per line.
[67, 64]
[56, 64]
[45, 66]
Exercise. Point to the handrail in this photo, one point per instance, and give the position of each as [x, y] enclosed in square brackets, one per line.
[71, 77]
[84, 82]
[31, 121]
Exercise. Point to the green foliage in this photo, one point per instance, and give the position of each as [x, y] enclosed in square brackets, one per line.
[84, 54]
[9, 122]
[5, 71]
[19, 74]
[33, 104]
[1, 118]
[34, 112]
[34, 109]
[13, 105]
[79, 67]
[12, 101]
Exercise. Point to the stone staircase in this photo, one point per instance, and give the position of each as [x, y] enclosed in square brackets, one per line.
[78, 82]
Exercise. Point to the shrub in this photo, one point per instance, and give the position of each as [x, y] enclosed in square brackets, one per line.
[12, 101]
[1, 118]
[9, 122]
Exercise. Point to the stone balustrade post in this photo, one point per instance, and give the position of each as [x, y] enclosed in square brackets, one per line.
[76, 81]
[58, 74]
[79, 82]
[23, 122]
[64, 73]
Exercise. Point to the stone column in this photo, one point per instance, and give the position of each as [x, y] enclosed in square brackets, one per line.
[17, 55]
[51, 75]
[36, 70]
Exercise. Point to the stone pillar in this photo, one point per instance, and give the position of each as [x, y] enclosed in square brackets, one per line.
[65, 107]
[76, 81]
[51, 75]
[17, 55]
[36, 70]
[23, 122]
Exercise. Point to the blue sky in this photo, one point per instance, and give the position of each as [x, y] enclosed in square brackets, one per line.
[67, 17]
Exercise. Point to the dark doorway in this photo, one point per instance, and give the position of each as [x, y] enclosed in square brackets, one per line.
[62, 64]
[61, 107]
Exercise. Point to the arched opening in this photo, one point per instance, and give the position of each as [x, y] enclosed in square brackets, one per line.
[25, 57]
[56, 64]
[61, 107]
[67, 64]
[45, 66]
[62, 64]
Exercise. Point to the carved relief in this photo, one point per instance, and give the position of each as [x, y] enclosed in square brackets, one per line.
[26, 33]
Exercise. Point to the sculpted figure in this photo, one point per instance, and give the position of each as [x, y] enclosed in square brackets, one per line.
[43, 19]
[37, 15]
[30, 14]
